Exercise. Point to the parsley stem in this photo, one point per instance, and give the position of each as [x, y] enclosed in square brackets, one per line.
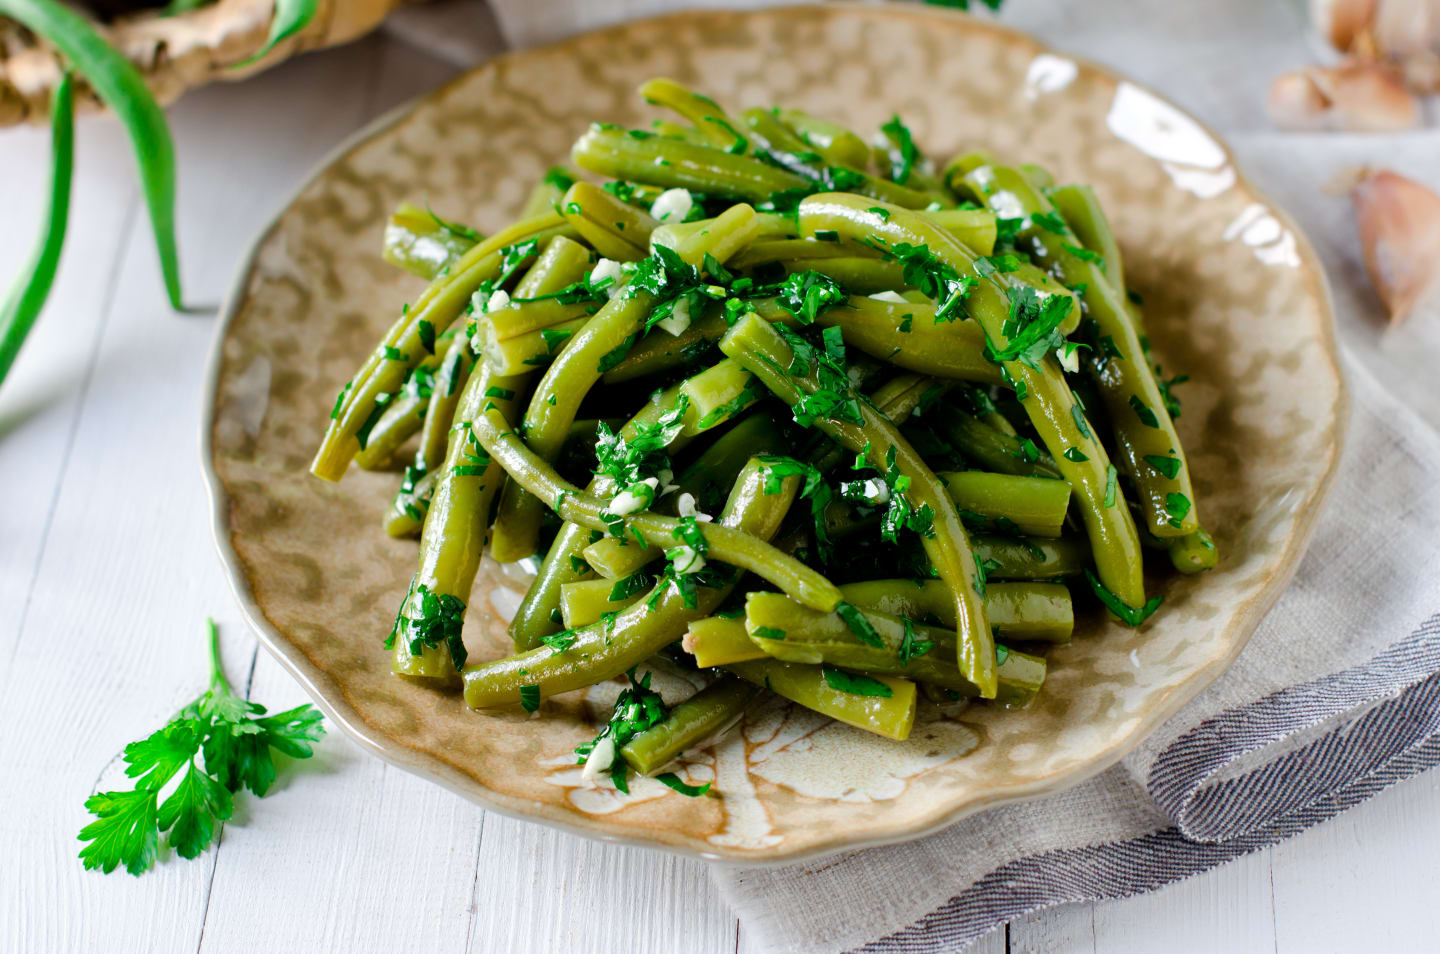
[218, 682]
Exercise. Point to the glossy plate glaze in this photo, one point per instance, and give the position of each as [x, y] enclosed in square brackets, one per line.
[1234, 297]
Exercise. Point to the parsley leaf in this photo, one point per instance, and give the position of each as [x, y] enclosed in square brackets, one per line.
[906, 154]
[910, 647]
[854, 683]
[232, 737]
[1126, 612]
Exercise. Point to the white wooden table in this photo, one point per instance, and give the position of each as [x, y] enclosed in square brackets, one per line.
[107, 571]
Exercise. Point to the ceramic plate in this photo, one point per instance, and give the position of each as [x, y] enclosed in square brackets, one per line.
[1234, 297]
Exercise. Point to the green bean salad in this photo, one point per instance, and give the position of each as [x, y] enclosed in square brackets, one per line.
[778, 404]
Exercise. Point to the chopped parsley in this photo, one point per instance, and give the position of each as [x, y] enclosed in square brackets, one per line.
[910, 645]
[1129, 614]
[858, 624]
[637, 708]
[855, 684]
[768, 632]
[905, 154]
[1168, 467]
[428, 620]
[1075, 455]
[530, 697]
[1142, 411]
[1085, 255]
[806, 294]
[1177, 506]
[672, 781]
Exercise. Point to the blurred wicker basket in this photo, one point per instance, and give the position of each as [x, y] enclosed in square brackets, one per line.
[177, 52]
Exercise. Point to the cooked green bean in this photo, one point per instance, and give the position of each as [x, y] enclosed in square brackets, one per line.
[406, 515]
[615, 229]
[539, 613]
[422, 243]
[575, 505]
[890, 715]
[992, 449]
[704, 716]
[755, 343]
[670, 163]
[836, 144]
[403, 346]
[1030, 558]
[793, 633]
[1051, 406]
[574, 372]
[542, 302]
[606, 649]
[445, 391]
[427, 633]
[1040, 612]
[545, 195]
[709, 118]
[787, 149]
[1145, 437]
[710, 476]
[1033, 505]
[720, 641]
[858, 349]
[401, 418]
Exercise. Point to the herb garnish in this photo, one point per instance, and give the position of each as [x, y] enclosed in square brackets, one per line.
[854, 683]
[233, 737]
[910, 646]
[1126, 612]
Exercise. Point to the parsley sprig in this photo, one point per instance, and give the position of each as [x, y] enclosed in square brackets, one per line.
[231, 737]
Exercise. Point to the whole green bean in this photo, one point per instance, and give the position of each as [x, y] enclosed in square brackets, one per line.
[605, 649]
[891, 715]
[704, 716]
[1053, 411]
[788, 631]
[403, 346]
[670, 163]
[1034, 505]
[1145, 437]
[454, 534]
[757, 345]
[423, 244]
[1040, 612]
[723, 543]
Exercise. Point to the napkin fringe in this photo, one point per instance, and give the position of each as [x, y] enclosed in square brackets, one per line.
[1402, 680]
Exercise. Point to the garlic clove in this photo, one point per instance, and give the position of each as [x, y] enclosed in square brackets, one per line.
[1407, 33]
[1356, 96]
[1342, 22]
[1398, 221]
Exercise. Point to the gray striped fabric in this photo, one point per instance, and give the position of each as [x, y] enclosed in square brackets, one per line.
[1389, 742]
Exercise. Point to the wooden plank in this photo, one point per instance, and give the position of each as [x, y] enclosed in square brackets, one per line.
[1364, 880]
[540, 890]
[41, 397]
[1228, 909]
[1067, 929]
[348, 855]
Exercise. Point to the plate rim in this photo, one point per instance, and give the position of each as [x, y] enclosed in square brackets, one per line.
[331, 701]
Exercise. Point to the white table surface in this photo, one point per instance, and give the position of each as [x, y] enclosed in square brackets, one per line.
[107, 571]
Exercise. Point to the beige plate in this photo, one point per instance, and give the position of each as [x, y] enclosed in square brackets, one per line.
[1234, 294]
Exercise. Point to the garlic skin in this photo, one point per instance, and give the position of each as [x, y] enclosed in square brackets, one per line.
[1356, 96]
[1398, 221]
[1405, 33]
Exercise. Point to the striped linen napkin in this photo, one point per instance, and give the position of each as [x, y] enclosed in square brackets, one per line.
[1337, 695]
